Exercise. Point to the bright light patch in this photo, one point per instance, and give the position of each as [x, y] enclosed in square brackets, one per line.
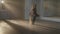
[2, 1]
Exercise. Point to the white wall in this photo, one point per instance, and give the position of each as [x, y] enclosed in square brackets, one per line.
[28, 4]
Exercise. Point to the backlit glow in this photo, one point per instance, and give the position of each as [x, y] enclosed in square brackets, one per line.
[2, 1]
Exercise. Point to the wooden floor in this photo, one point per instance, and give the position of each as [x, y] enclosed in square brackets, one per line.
[24, 27]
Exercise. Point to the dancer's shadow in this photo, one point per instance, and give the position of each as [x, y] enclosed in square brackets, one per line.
[20, 29]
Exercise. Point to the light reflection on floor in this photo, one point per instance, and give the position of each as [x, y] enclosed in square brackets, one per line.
[14, 27]
[4, 28]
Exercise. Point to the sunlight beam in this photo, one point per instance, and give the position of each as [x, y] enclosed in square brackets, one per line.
[2, 1]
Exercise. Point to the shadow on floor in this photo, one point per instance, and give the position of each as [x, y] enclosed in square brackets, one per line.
[50, 30]
[45, 26]
[20, 29]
